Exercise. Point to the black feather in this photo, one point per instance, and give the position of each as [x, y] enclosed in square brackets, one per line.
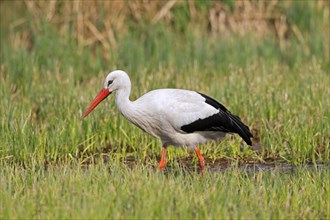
[223, 121]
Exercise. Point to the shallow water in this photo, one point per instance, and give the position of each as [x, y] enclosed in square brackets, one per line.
[284, 167]
[186, 165]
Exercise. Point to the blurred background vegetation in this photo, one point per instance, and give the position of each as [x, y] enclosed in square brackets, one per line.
[94, 36]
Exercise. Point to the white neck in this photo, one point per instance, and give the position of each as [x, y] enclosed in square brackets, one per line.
[124, 105]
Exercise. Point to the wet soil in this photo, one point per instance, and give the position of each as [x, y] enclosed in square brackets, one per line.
[190, 164]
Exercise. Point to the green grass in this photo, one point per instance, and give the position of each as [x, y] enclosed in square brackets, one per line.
[288, 109]
[113, 191]
[54, 165]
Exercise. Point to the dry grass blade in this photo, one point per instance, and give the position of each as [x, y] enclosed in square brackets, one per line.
[98, 35]
[167, 7]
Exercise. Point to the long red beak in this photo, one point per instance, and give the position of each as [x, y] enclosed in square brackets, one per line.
[98, 98]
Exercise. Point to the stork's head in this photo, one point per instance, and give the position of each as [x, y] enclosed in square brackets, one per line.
[116, 80]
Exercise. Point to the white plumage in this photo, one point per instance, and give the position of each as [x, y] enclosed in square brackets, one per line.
[163, 112]
[178, 117]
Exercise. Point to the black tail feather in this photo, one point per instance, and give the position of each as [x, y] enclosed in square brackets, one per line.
[241, 129]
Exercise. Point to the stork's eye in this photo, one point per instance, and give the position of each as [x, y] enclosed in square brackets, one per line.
[109, 82]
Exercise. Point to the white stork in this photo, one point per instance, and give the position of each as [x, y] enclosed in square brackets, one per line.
[178, 117]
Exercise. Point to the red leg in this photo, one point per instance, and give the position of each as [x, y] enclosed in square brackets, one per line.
[201, 159]
[162, 161]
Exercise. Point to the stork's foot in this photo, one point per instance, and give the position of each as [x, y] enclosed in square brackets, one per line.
[201, 160]
[162, 161]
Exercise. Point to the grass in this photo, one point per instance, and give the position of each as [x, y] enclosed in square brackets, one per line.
[113, 191]
[287, 111]
[53, 165]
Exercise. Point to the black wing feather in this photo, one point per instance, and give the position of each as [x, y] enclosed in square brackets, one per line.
[223, 121]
